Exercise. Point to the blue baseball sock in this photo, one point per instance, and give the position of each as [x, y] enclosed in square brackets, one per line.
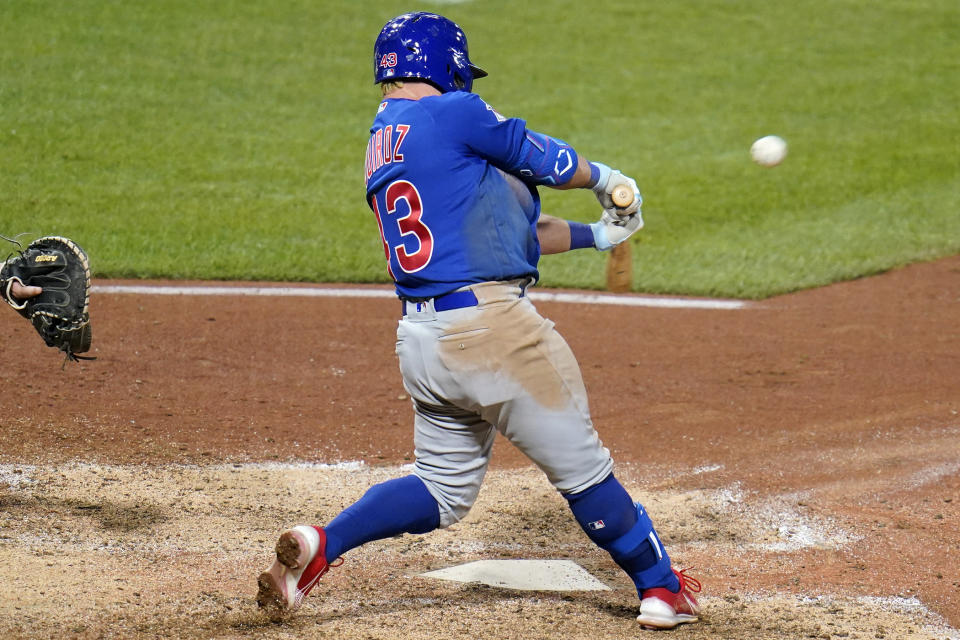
[402, 505]
[611, 519]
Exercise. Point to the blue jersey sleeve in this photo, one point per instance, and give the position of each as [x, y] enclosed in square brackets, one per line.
[509, 145]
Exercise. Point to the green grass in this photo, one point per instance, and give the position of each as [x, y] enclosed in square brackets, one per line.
[225, 140]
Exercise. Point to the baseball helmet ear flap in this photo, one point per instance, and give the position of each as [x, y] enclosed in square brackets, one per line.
[425, 46]
[464, 82]
[475, 72]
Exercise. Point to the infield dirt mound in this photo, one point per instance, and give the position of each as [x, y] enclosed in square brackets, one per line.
[173, 552]
[802, 453]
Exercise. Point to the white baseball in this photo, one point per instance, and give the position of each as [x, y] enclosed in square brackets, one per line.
[769, 151]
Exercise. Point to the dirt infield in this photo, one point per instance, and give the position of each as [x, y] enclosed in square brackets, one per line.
[802, 454]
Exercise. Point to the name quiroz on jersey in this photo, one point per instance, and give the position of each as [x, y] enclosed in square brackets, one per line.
[384, 147]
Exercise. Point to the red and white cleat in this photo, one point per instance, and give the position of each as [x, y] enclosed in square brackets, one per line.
[661, 608]
[300, 563]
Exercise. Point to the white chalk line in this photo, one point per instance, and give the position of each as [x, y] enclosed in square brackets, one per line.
[322, 292]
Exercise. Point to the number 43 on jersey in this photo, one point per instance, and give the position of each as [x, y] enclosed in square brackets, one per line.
[404, 210]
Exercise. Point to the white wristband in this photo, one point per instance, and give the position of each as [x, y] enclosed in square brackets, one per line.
[600, 239]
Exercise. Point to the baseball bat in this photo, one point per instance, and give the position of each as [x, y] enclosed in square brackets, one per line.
[620, 262]
[620, 269]
[622, 196]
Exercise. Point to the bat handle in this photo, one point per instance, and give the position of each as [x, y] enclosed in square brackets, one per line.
[622, 196]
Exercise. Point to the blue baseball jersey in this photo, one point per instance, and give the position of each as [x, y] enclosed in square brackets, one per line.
[440, 177]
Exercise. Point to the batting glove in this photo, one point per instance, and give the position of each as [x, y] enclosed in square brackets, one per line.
[610, 230]
[608, 180]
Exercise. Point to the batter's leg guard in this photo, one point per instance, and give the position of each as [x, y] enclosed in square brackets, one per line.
[402, 505]
[615, 523]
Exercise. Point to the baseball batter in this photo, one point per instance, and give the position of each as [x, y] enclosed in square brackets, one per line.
[453, 186]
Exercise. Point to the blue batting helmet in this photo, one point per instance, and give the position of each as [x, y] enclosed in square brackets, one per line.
[426, 46]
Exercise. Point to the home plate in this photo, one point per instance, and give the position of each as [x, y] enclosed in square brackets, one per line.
[526, 575]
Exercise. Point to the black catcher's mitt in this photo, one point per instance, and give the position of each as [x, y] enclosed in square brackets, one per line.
[60, 314]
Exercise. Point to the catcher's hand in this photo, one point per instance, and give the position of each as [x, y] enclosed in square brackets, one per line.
[59, 311]
[20, 292]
